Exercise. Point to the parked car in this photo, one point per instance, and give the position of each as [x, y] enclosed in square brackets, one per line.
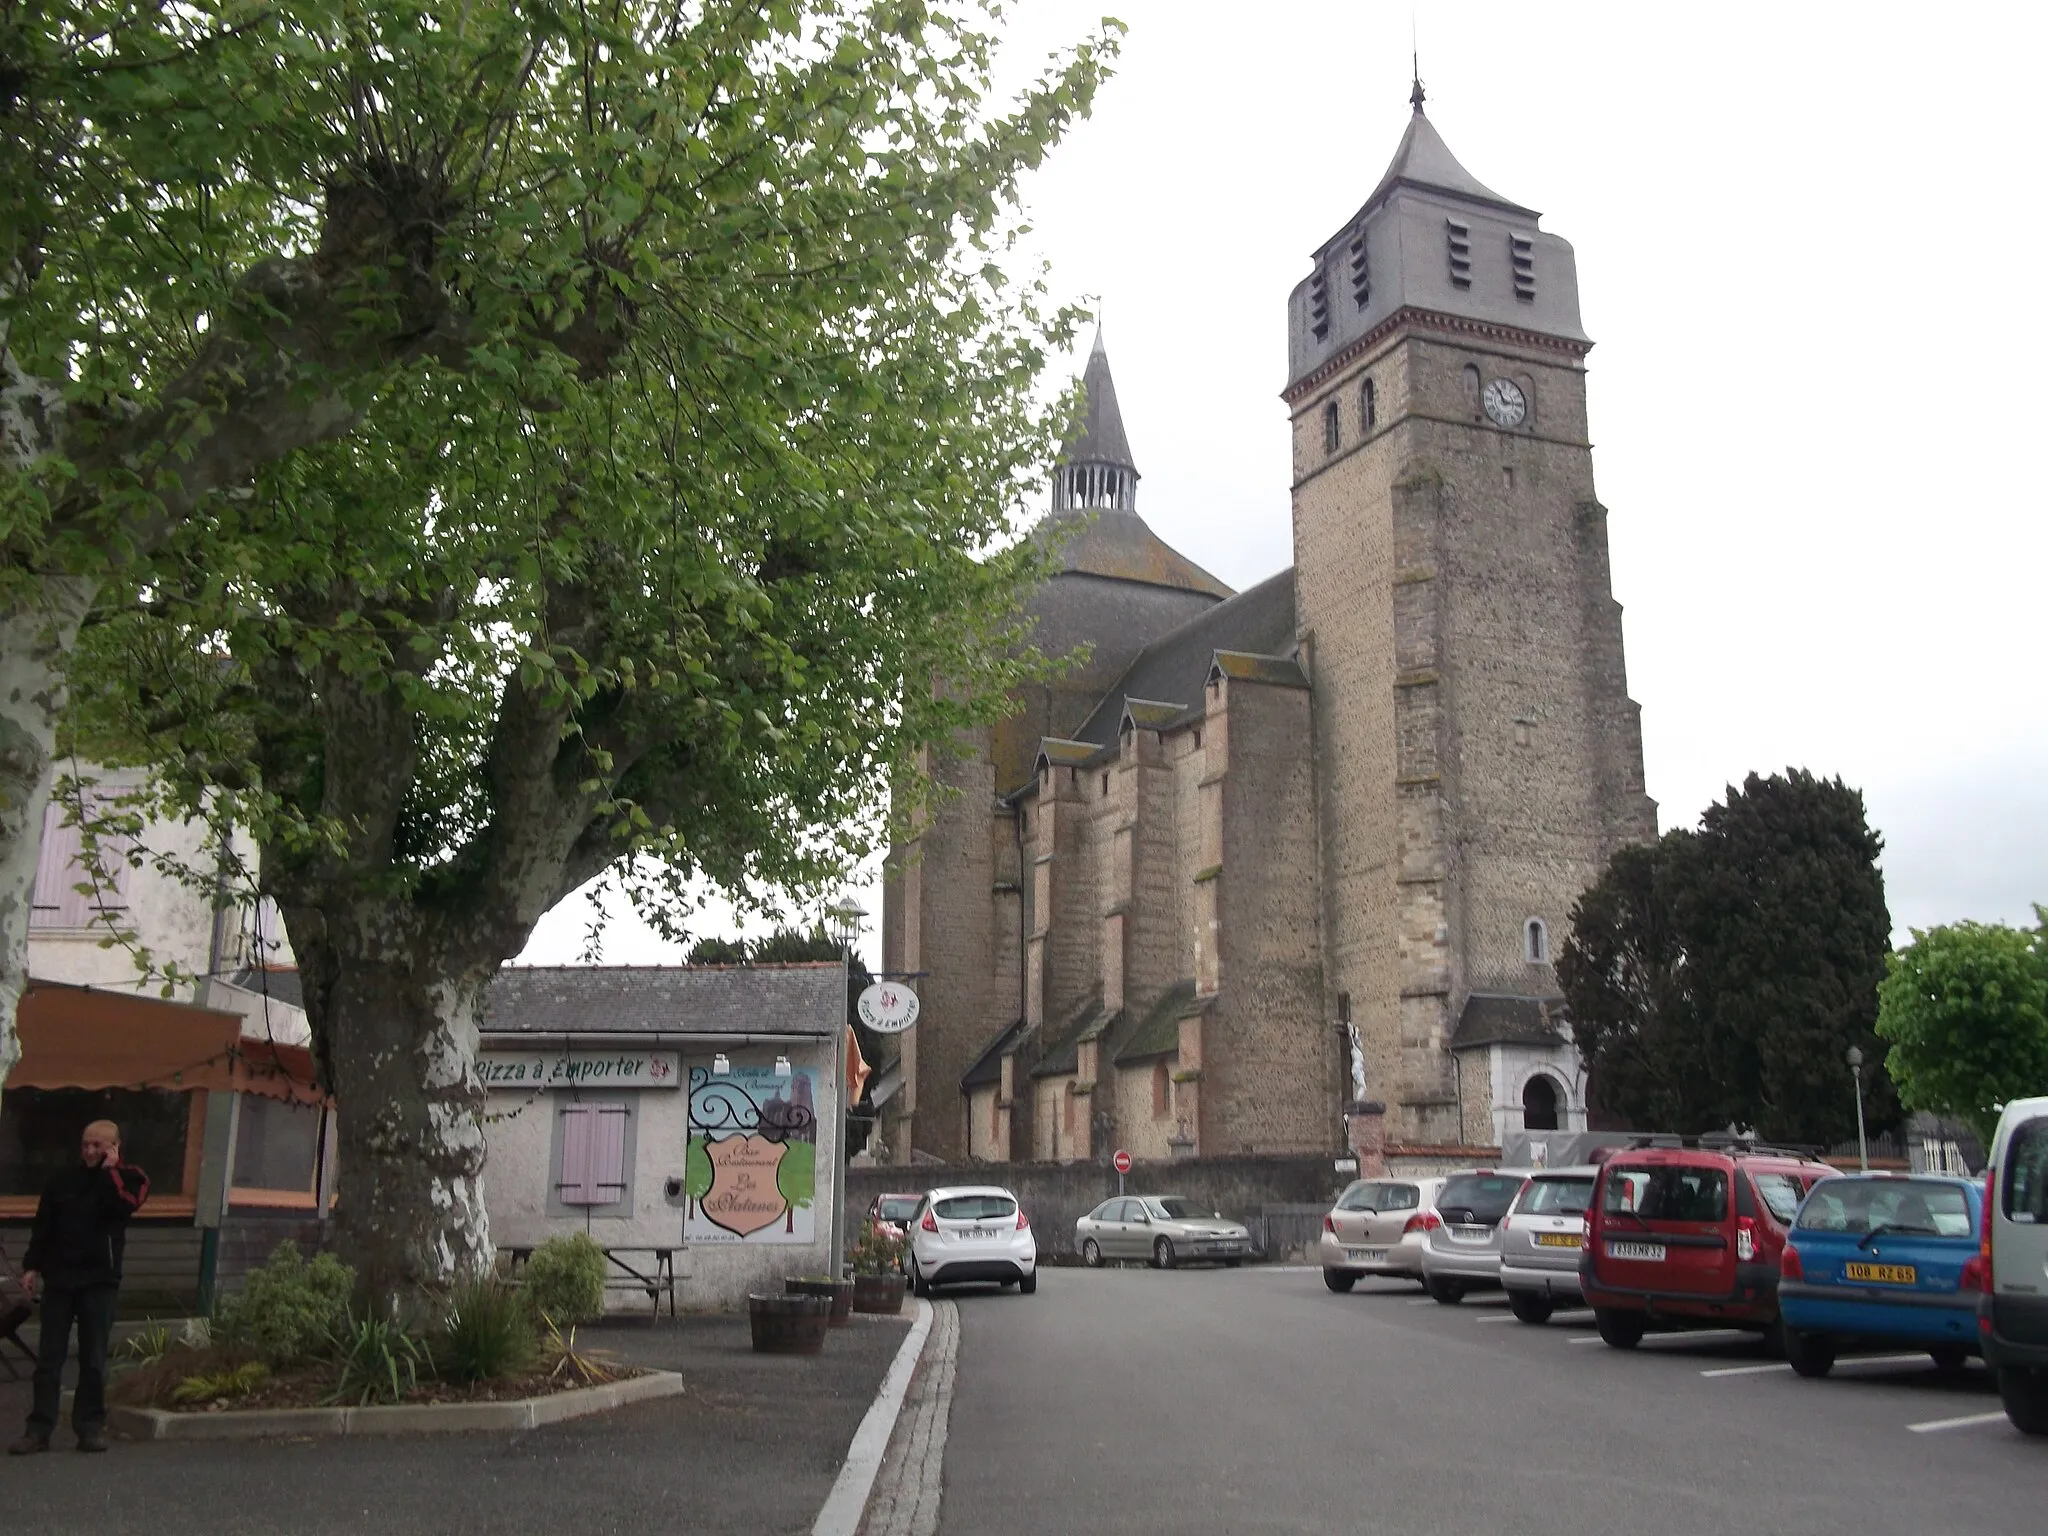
[891, 1213]
[975, 1232]
[2012, 1316]
[1883, 1256]
[1540, 1238]
[1163, 1229]
[1462, 1243]
[1377, 1228]
[1690, 1237]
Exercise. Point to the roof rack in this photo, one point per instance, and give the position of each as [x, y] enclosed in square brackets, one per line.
[1719, 1141]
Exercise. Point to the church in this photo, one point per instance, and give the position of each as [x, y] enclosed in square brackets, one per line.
[1259, 862]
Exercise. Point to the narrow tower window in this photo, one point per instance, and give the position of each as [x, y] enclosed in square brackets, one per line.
[1333, 430]
[1368, 406]
[1536, 942]
[1361, 278]
[1460, 242]
[1522, 258]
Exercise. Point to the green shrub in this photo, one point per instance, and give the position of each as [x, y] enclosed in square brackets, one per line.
[288, 1310]
[565, 1280]
[488, 1333]
[230, 1382]
[381, 1362]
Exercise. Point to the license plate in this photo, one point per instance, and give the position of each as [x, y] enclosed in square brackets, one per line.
[1471, 1234]
[981, 1231]
[1365, 1255]
[1557, 1239]
[1883, 1274]
[1642, 1253]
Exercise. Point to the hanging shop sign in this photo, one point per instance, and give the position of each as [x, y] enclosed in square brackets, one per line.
[888, 1007]
[580, 1069]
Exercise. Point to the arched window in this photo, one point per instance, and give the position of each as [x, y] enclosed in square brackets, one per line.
[1471, 378]
[1539, 1104]
[1368, 406]
[1162, 1091]
[1333, 430]
[1536, 942]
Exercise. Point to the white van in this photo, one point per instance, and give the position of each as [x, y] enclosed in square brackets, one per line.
[2012, 1317]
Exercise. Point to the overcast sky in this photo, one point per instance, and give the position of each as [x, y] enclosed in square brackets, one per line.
[1811, 254]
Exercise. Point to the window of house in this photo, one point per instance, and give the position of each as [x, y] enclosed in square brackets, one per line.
[277, 1151]
[1368, 406]
[61, 870]
[1539, 1105]
[1536, 942]
[591, 1162]
[1162, 1091]
[1333, 430]
[40, 1130]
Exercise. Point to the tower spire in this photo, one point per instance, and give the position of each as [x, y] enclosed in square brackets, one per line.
[1096, 468]
[1417, 96]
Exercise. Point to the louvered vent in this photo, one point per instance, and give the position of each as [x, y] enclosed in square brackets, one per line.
[1522, 257]
[1319, 302]
[1361, 278]
[1460, 236]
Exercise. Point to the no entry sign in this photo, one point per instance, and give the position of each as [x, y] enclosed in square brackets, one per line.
[1122, 1161]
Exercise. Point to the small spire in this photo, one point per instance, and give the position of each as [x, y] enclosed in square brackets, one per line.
[1417, 96]
[1098, 350]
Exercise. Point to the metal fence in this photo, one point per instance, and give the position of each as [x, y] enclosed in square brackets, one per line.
[1287, 1233]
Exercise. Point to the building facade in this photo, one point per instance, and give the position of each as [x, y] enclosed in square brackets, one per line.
[1268, 854]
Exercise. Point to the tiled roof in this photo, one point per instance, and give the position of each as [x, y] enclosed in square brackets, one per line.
[1067, 753]
[1498, 1018]
[1117, 543]
[1158, 1034]
[1282, 671]
[1090, 1023]
[987, 1068]
[807, 999]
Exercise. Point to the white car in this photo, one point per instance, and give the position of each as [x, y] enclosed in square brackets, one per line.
[1377, 1227]
[2013, 1311]
[972, 1232]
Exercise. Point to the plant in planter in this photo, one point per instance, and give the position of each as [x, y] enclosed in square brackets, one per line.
[838, 1292]
[877, 1271]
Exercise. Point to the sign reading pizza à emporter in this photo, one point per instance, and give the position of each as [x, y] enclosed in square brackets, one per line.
[580, 1069]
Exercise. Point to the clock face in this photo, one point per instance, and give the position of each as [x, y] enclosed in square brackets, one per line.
[1504, 402]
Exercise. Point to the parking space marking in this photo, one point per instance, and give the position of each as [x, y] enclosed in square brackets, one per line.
[1423, 1301]
[1748, 1370]
[1695, 1336]
[1508, 1319]
[1591, 1338]
[1931, 1425]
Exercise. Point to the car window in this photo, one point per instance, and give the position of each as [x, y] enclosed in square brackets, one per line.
[1123, 1210]
[1482, 1196]
[1178, 1208]
[2023, 1184]
[1105, 1211]
[976, 1207]
[1374, 1195]
[1557, 1197]
[898, 1208]
[1780, 1192]
[1669, 1192]
[1860, 1206]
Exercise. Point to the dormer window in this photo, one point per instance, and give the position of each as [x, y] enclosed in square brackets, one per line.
[1361, 278]
[1333, 429]
[1522, 258]
[1459, 240]
[1319, 302]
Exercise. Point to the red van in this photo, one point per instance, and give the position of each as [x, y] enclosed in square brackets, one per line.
[1690, 1237]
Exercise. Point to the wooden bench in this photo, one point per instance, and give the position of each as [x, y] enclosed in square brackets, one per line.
[654, 1274]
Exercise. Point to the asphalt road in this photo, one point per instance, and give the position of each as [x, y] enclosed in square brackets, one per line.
[1241, 1401]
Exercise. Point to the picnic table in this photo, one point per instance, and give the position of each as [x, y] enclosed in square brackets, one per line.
[631, 1267]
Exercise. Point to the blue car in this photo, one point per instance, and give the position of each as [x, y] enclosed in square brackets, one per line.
[1885, 1257]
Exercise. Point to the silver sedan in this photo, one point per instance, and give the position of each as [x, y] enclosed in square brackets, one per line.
[1163, 1229]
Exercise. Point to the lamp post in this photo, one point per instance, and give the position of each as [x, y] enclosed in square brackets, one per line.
[842, 925]
[1862, 1145]
[843, 922]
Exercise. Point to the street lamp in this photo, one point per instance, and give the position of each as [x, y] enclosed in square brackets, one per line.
[1862, 1145]
[843, 922]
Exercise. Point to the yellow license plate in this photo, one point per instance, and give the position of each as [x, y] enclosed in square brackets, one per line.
[1883, 1274]
[1557, 1239]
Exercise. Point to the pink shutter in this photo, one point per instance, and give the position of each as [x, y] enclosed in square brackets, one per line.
[579, 1145]
[609, 1162]
[57, 904]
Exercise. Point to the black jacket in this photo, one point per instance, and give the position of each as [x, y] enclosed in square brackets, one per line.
[81, 1224]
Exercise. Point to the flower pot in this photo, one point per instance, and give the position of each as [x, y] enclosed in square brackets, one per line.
[878, 1293]
[789, 1325]
[838, 1292]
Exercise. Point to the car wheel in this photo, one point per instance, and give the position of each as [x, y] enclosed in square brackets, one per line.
[1618, 1330]
[1448, 1292]
[1949, 1358]
[2025, 1395]
[1091, 1254]
[1028, 1286]
[1529, 1307]
[1339, 1280]
[1162, 1254]
[919, 1286]
[1810, 1354]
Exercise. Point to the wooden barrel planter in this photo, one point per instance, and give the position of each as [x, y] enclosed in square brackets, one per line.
[878, 1293]
[838, 1292]
[789, 1325]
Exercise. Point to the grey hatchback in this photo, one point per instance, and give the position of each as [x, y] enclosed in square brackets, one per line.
[1539, 1242]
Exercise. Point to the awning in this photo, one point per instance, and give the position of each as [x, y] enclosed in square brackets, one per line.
[83, 1037]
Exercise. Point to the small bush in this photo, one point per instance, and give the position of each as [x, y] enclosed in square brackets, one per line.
[232, 1382]
[585, 1367]
[288, 1310]
[488, 1333]
[149, 1345]
[565, 1279]
[875, 1252]
[380, 1361]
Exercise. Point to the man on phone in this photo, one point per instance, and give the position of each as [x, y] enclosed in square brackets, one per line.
[74, 1260]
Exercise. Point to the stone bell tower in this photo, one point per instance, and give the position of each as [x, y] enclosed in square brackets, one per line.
[1477, 755]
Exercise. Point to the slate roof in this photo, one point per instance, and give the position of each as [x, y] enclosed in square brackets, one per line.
[1424, 160]
[1100, 439]
[1158, 1033]
[1116, 542]
[987, 1068]
[1090, 1023]
[1281, 671]
[1174, 668]
[1497, 1018]
[808, 999]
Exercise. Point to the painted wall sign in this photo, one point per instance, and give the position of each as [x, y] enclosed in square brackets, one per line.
[751, 1172]
[888, 1007]
[580, 1069]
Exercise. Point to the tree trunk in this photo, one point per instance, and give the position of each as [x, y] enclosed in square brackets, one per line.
[401, 1053]
[36, 638]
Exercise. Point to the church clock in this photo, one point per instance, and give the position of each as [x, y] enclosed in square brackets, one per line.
[1504, 403]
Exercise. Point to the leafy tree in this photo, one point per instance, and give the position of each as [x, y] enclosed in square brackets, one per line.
[1965, 1008]
[716, 951]
[662, 591]
[1720, 976]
